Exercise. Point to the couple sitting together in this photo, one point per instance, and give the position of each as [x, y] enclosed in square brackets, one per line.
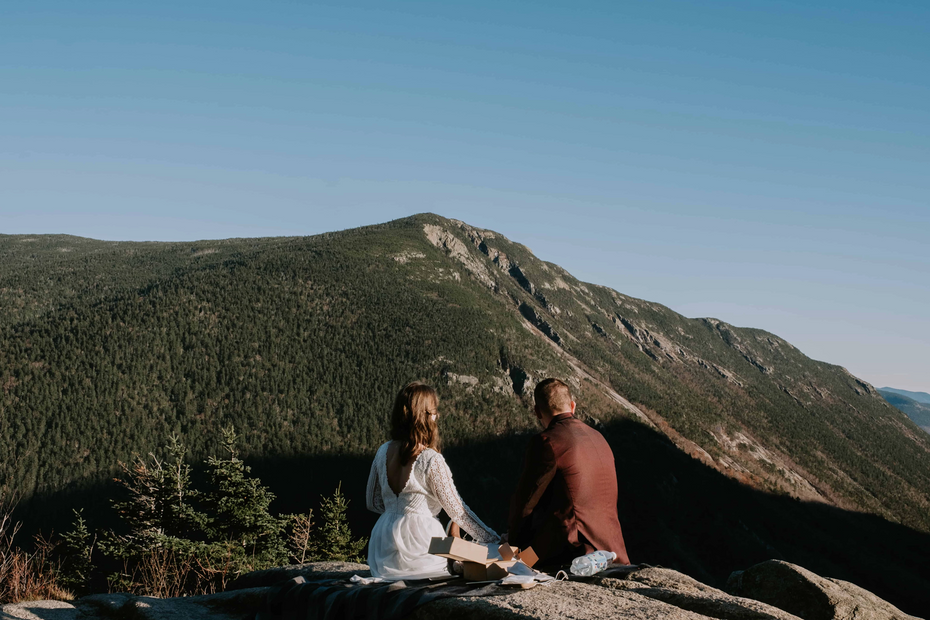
[565, 504]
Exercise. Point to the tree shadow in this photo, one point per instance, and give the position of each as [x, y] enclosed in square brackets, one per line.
[675, 511]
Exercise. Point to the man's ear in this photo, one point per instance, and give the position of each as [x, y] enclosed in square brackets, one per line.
[537, 413]
[573, 407]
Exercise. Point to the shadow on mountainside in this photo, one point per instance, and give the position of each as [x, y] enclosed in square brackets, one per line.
[675, 511]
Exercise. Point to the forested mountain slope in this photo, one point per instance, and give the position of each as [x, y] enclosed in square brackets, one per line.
[107, 348]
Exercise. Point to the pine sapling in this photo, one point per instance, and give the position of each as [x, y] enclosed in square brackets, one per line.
[334, 538]
[77, 552]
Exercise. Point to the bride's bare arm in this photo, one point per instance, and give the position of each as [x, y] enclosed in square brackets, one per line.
[440, 481]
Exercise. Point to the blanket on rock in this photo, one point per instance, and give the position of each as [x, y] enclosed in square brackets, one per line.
[338, 599]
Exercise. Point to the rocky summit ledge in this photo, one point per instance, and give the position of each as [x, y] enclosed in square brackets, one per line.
[772, 590]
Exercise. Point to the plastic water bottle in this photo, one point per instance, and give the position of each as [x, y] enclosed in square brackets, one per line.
[595, 562]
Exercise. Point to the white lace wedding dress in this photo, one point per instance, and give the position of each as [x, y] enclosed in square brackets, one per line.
[401, 537]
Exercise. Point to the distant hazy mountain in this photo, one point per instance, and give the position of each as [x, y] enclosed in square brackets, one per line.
[920, 397]
[732, 446]
[917, 411]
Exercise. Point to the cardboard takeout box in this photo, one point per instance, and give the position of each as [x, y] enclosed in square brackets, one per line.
[487, 571]
[458, 549]
[507, 552]
[474, 557]
[527, 556]
[511, 561]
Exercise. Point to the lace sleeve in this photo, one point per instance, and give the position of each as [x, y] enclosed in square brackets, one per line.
[373, 498]
[440, 482]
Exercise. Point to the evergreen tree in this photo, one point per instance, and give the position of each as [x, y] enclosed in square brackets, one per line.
[334, 540]
[239, 504]
[77, 550]
[158, 510]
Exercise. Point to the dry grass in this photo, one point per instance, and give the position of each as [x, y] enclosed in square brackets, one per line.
[26, 576]
[166, 573]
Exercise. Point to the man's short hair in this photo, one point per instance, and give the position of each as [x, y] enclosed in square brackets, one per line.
[552, 396]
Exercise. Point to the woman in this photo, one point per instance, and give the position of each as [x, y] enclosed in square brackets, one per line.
[408, 485]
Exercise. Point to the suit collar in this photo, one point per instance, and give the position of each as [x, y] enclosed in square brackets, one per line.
[561, 417]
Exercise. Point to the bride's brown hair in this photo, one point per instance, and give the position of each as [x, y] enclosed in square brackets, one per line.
[412, 422]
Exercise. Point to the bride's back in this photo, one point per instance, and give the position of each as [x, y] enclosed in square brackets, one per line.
[397, 472]
[410, 491]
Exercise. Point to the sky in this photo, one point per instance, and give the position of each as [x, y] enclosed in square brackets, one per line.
[764, 163]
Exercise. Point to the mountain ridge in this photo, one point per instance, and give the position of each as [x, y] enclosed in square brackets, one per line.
[920, 397]
[739, 399]
[917, 411]
[732, 446]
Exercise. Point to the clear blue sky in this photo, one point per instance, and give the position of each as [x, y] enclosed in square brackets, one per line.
[766, 163]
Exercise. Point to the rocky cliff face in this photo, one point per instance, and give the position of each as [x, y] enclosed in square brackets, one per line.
[769, 591]
[743, 401]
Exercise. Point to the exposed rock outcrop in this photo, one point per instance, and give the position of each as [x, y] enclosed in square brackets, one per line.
[530, 314]
[810, 596]
[772, 590]
[726, 333]
[856, 383]
[517, 274]
[467, 380]
[235, 605]
[454, 247]
[729, 375]
[406, 257]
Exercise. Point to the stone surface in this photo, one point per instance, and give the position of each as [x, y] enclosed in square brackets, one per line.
[768, 591]
[689, 594]
[810, 596]
[562, 599]
[444, 240]
[40, 610]
[641, 593]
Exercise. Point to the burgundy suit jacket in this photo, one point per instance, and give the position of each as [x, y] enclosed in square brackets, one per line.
[565, 504]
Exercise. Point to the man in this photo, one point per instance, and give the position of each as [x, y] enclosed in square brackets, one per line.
[565, 504]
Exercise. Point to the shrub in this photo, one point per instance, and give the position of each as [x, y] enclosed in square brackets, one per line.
[300, 541]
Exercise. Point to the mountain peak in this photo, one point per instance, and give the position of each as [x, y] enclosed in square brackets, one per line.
[109, 348]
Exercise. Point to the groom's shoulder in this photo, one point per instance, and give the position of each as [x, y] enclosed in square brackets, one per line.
[569, 430]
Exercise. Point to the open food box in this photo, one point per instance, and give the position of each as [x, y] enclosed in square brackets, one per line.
[475, 557]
